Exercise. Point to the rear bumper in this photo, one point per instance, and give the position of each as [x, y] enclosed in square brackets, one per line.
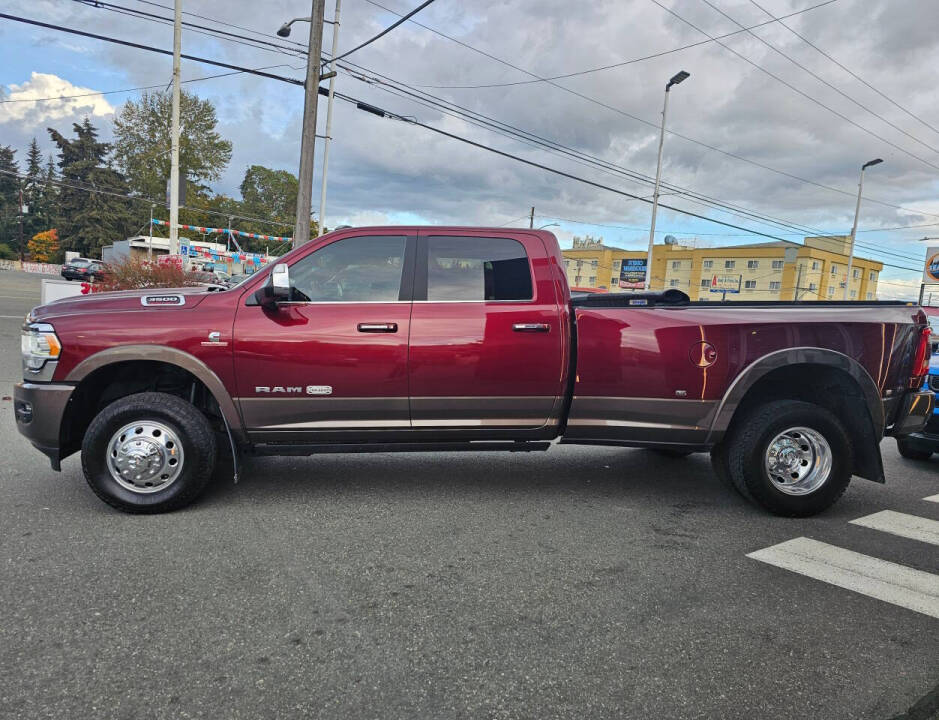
[914, 412]
[38, 409]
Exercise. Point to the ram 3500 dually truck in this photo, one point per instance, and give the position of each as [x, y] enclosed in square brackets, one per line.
[448, 338]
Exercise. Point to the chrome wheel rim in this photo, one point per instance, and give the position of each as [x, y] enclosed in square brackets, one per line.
[145, 456]
[798, 461]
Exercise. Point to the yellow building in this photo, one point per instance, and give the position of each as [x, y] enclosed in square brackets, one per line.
[815, 270]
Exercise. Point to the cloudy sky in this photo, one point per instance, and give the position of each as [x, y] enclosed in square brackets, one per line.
[767, 123]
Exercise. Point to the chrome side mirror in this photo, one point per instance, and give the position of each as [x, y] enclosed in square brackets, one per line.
[277, 288]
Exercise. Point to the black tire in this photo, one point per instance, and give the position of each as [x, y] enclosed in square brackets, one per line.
[910, 452]
[189, 425]
[746, 446]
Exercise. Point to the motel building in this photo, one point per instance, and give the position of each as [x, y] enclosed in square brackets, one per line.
[815, 270]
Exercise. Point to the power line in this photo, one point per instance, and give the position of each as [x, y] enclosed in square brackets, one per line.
[134, 89]
[387, 30]
[531, 138]
[713, 148]
[300, 46]
[588, 71]
[139, 46]
[796, 90]
[820, 78]
[266, 45]
[847, 70]
[381, 112]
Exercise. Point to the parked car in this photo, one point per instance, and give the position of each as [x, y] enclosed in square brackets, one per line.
[415, 338]
[921, 445]
[84, 269]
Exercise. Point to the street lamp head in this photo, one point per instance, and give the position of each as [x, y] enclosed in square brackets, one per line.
[549, 225]
[284, 30]
[677, 78]
[869, 163]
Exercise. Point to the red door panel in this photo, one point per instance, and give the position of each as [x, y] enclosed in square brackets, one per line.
[478, 363]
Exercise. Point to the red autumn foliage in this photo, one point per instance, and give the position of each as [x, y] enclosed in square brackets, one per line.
[133, 274]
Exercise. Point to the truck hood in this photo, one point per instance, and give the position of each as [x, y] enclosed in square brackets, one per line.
[155, 298]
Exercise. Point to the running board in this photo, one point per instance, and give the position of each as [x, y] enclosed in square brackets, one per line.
[316, 449]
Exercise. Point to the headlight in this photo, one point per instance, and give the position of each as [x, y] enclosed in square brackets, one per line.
[39, 344]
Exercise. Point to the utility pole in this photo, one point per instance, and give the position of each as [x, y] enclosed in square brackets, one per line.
[798, 281]
[150, 239]
[857, 210]
[677, 78]
[531, 218]
[301, 234]
[174, 133]
[329, 117]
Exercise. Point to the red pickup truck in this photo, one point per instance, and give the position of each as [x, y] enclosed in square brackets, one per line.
[419, 338]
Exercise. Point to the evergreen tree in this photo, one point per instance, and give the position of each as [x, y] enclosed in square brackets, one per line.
[50, 192]
[34, 185]
[89, 220]
[9, 197]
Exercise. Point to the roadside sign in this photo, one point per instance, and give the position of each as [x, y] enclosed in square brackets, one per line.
[727, 284]
[931, 270]
[632, 273]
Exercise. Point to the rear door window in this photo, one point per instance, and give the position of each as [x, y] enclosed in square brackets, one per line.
[477, 269]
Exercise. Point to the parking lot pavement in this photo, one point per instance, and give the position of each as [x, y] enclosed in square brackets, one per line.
[582, 582]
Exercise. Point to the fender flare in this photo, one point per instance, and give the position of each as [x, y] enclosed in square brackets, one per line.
[170, 356]
[796, 356]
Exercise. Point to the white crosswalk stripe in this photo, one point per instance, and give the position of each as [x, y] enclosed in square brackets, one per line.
[897, 584]
[932, 498]
[897, 523]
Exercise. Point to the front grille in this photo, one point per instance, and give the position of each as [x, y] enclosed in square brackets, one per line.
[934, 383]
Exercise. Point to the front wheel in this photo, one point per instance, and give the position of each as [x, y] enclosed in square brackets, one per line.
[907, 450]
[794, 458]
[148, 453]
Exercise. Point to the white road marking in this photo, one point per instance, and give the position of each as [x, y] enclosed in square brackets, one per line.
[13, 317]
[897, 523]
[897, 584]
[932, 498]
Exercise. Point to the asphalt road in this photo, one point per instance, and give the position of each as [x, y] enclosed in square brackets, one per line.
[578, 583]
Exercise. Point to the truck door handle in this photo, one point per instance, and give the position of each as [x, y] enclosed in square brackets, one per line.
[531, 327]
[378, 327]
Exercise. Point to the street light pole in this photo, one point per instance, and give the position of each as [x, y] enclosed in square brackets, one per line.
[857, 210]
[679, 77]
[174, 133]
[301, 232]
[329, 118]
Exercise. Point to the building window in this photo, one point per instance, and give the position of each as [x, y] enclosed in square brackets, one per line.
[730, 264]
[778, 264]
[775, 285]
[593, 263]
[870, 296]
[705, 283]
[753, 264]
[577, 279]
[831, 291]
[856, 274]
[614, 281]
[676, 264]
[854, 294]
[674, 283]
[707, 264]
[616, 265]
[813, 287]
[834, 269]
[750, 285]
[873, 276]
[815, 265]
[592, 281]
